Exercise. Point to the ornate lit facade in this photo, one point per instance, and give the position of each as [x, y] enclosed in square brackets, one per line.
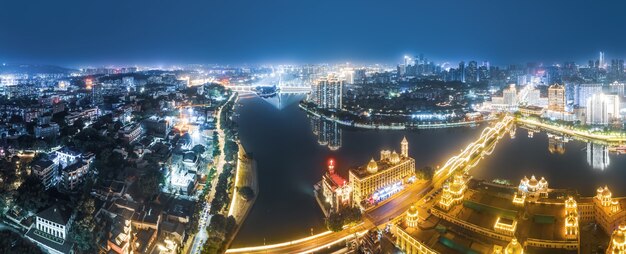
[617, 244]
[571, 218]
[452, 193]
[411, 219]
[335, 189]
[531, 188]
[608, 211]
[514, 247]
[392, 169]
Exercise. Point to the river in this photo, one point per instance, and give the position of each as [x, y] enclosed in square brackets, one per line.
[290, 160]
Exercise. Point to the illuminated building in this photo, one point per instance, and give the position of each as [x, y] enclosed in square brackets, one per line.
[51, 229]
[88, 84]
[509, 96]
[505, 226]
[584, 91]
[411, 218]
[514, 247]
[131, 132]
[602, 108]
[379, 179]
[73, 175]
[556, 98]
[335, 189]
[46, 171]
[530, 188]
[452, 193]
[608, 211]
[617, 244]
[571, 219]
[327, 93]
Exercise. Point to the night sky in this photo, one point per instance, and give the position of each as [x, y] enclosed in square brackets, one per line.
[75, 32]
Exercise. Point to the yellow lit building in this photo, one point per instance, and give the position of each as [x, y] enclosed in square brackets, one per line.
[617, 245]
[571, 219]
[514, 247]
[411, 218]
[556, 98]
[452, 193]
[391, 171]
[336, 191]
[608, 211]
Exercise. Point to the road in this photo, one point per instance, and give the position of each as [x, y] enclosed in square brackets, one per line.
[375, 217]
[199, 238]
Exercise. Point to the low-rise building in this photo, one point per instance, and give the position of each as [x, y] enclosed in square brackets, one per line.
[46, 171]
[51, 229]
[47, 130]
[73, 175]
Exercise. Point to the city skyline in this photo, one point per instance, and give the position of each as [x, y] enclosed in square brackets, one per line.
[124, 33]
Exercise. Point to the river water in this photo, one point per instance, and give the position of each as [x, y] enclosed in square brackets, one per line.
[292, 148]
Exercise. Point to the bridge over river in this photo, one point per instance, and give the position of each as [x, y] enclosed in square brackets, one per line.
[392, 208]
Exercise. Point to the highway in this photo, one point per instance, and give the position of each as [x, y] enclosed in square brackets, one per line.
[401, 202]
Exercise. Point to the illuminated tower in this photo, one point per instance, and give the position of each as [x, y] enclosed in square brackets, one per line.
[411, 218]
[571, 218]
[452, 193]
[617, 245]
[404, 147]
[514, 247]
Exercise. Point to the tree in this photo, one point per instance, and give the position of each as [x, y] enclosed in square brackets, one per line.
[150, 182]
[334, 222]
[82, 231]
[246, 192]
[198, 149]
[425, 173]
[31, 195]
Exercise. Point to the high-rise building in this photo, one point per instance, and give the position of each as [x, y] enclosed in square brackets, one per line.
[602, 108]
[616, 69]
[461, 71]
[601, 60]
[556, 98]
[327, 93]
[472, 72]
[617, 88]
[584, 92]
[509, 96]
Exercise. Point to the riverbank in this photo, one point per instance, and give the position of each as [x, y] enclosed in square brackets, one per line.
[246, 175]
[585, 135]
[398, 126]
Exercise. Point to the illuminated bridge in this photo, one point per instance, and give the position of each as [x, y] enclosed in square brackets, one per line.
[284, 88]
[381, 215]
[472, 154]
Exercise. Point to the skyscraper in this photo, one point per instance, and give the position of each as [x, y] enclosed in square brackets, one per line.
[602, 108]
[556, 98]
[462, 71]
[472, 72]
[509, 96]
[584, 92]
[327, 93]
[601, 60]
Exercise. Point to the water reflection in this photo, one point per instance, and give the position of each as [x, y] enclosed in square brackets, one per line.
[556, 144]
[328, 133]
[598, 156]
